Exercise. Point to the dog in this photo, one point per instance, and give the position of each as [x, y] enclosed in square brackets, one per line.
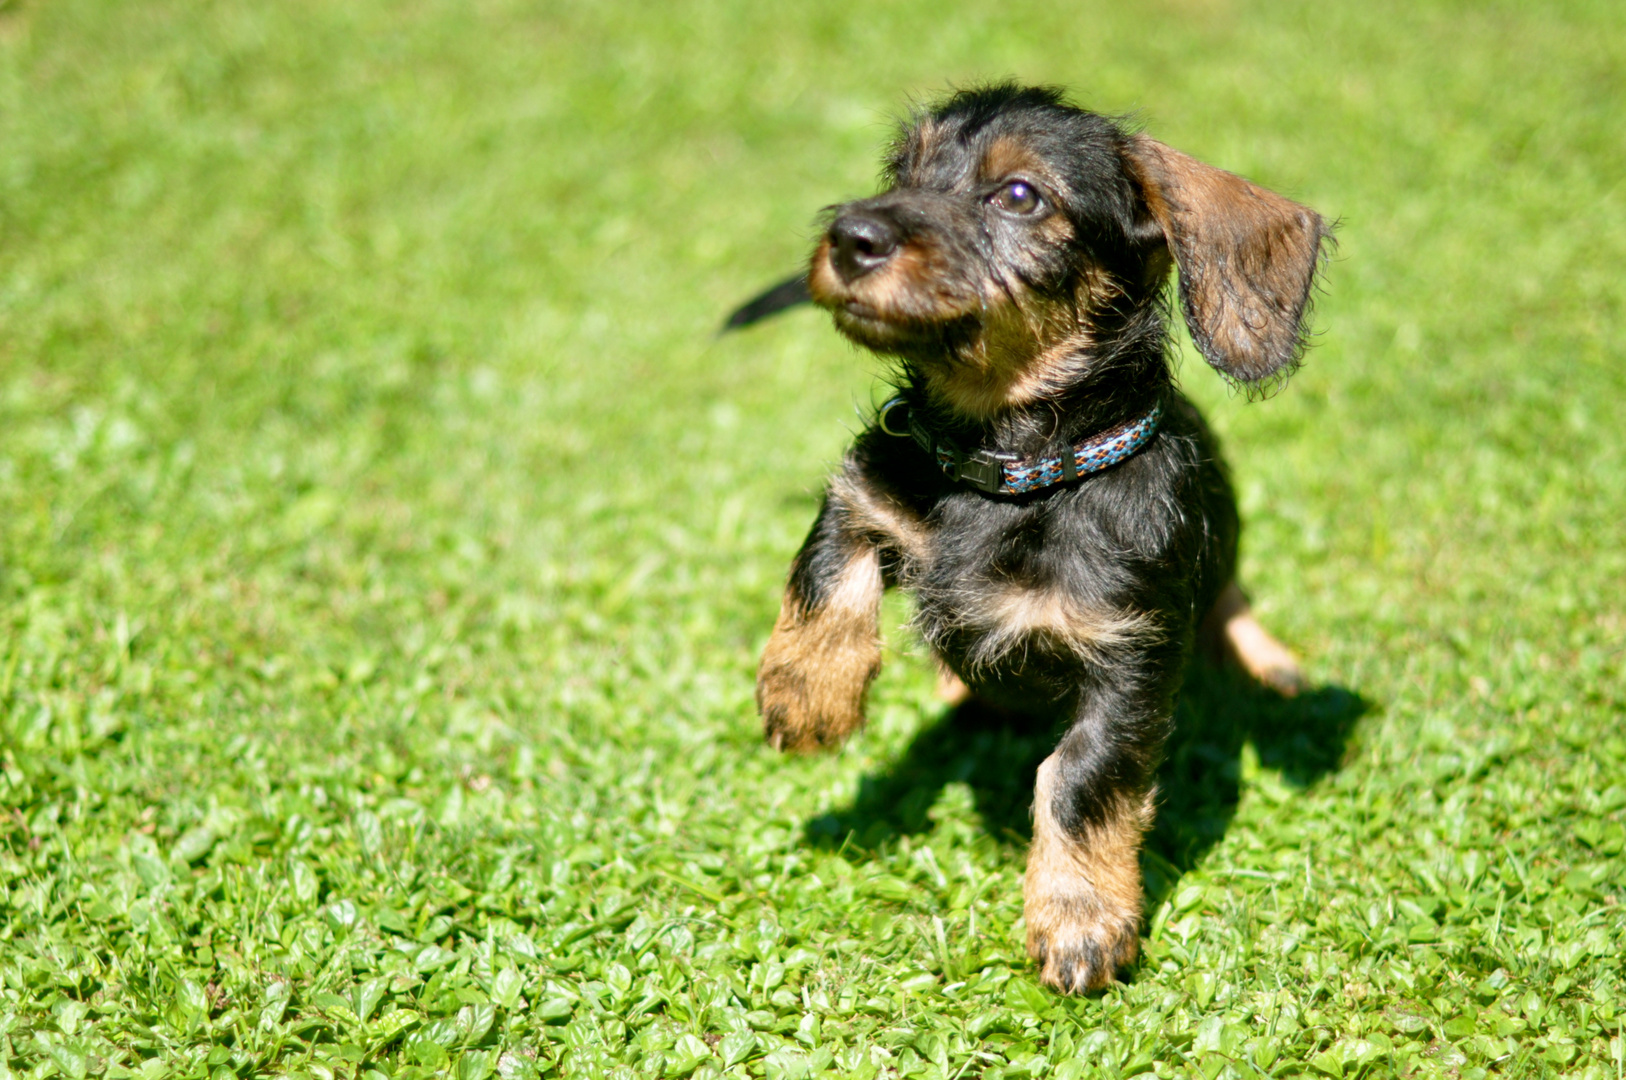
[1059, 510]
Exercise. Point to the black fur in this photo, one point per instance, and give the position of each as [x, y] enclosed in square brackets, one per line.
[1156, 535]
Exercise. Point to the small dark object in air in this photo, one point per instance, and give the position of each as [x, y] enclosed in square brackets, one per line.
[786, 294]
[1059, 509]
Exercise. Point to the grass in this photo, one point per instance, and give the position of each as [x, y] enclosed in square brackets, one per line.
[386, 544]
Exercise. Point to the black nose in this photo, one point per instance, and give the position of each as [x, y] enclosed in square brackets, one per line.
[860, 242]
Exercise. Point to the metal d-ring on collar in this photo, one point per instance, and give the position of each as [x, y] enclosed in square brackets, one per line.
[1011, 474]
[887, 410]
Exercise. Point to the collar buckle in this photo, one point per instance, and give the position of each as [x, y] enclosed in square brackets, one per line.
[981, 469]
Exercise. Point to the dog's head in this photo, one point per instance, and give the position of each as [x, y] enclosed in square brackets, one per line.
[1018, 236]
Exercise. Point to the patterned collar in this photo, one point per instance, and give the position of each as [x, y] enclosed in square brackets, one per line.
[1010, 474]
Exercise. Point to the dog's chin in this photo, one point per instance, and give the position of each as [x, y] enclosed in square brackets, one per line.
[864, 325]
[887, 332]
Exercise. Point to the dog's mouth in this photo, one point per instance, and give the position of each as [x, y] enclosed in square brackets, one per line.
[857, 316]
[891, 331]
[860, 311]
[889, 310]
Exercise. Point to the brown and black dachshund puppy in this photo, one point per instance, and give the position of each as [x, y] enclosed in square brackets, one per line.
[1059, 510]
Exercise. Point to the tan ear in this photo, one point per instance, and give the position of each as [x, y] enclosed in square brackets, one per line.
[1247, 260]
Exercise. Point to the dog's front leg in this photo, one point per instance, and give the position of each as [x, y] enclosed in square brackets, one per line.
[826, 646]
[1091, 804]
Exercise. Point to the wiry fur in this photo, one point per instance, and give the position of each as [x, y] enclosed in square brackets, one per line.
[1015, 268]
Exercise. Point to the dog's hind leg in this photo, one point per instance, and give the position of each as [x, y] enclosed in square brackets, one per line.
[951, 689]
[1233, 631]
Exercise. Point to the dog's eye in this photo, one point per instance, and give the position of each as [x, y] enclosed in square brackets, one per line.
[1017, 197]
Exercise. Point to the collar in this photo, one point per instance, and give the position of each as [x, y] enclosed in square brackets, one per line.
[1000, 473]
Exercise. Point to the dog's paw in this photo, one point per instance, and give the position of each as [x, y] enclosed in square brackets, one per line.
[1286, 679]
[1267, 660]
[1231, 631]
[1082, 892]
[1078, 942]
[951, 689]
[796, 719]
[811, 694]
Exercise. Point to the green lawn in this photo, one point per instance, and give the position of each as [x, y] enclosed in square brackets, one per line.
[386, 544]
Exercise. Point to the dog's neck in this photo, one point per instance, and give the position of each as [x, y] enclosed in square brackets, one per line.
[1110, 376]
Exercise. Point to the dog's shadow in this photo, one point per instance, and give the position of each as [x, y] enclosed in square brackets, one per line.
[1199, 784]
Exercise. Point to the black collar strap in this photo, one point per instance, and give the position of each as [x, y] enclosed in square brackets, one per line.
[1011, 474]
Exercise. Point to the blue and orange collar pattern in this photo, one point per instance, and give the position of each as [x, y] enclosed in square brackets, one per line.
[1011, 474]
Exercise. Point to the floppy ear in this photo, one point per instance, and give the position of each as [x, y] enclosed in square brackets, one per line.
[1247, 259]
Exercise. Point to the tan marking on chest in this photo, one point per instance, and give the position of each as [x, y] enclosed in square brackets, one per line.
[1014, 618]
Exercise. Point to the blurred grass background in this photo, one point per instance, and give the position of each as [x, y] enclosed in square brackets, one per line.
[386, 543]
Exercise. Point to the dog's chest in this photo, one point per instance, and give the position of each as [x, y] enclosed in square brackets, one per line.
[1075, 574]
[975, 544]
[1011, 570]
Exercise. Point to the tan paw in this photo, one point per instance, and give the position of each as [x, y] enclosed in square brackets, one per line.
[808, 709]
[1078, 945]
[951, 690]
[1262, 656]
[1082, 892]
[1239, 636]
[819, 661]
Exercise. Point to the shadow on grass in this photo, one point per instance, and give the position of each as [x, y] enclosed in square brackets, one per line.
[1199, 783]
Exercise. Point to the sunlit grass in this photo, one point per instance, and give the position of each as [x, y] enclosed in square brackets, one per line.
[386, 543]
